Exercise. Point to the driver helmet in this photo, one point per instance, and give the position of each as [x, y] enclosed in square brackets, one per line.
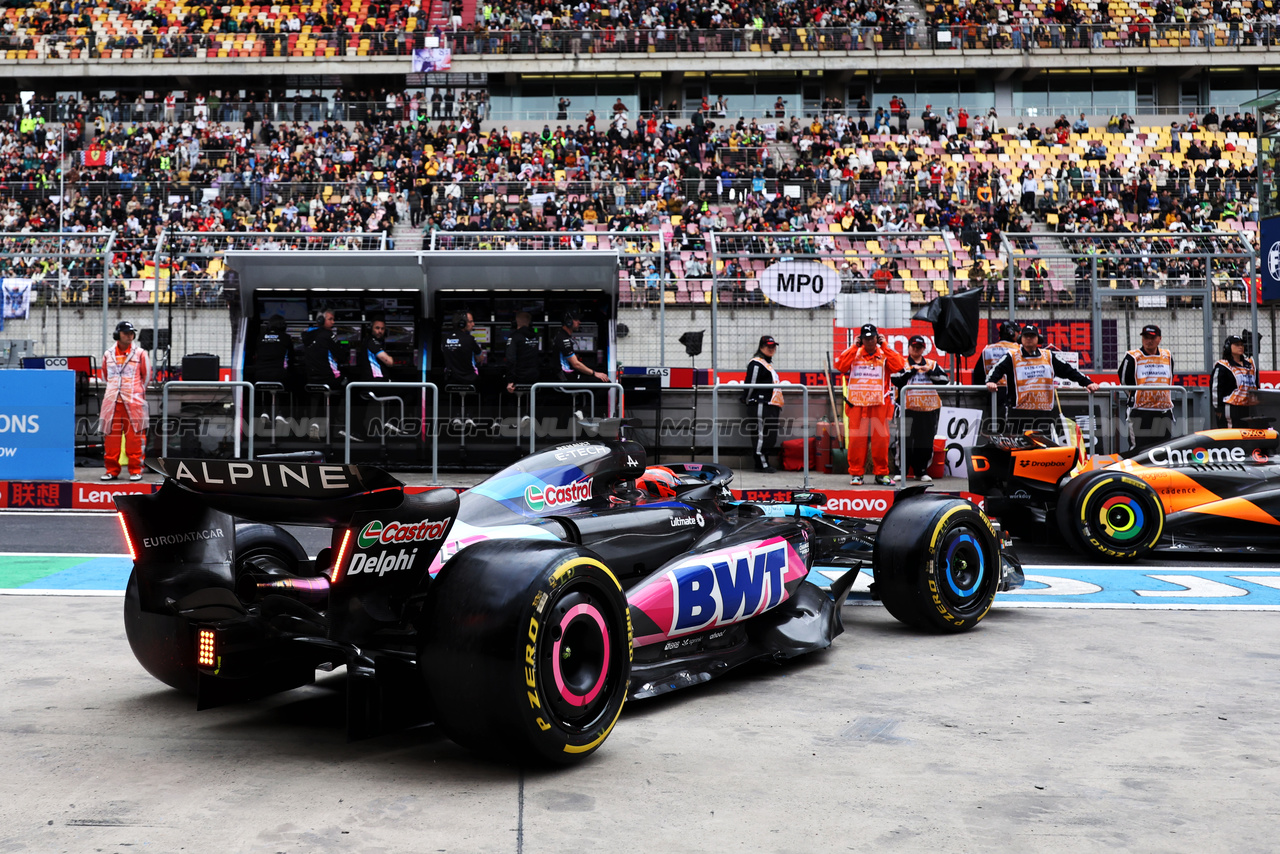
[658, 482]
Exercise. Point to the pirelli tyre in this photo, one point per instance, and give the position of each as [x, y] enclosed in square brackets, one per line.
[1111, 515]
[526, 650]
[164, 644]
[936, 563]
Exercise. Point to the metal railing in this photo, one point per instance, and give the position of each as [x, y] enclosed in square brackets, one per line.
[236, 384]
[1183, 392]
[615, 404]
[960, 390]
[435, 409]
[784, 387]
[1041, 36]
[328, 108]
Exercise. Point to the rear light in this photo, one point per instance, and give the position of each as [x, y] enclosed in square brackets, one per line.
[205, 652]
[128, 540]
[336, 572]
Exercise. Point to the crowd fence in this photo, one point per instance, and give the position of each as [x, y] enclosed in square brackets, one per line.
[1093, 292]
[1043, 37]
[490, 114]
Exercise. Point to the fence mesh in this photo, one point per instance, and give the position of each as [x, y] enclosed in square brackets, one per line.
[1092, 291]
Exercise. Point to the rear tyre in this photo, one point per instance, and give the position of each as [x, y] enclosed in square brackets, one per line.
[937, 563]
[163, 644]
[264, 553]
[526, 650]
[1111, 515]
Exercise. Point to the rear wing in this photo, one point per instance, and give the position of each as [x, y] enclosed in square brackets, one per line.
[274, 491]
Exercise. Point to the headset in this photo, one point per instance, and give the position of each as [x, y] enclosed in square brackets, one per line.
[1009, 331]
[570, 315]
[123, 326]
[460, 320]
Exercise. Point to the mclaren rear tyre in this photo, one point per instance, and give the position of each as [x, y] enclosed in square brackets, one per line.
[164, 644]
[526, 650]
[1111, 515]
[937, 563]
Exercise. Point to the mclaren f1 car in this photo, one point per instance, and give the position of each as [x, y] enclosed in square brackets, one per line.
[521, 614]
[1216, 490]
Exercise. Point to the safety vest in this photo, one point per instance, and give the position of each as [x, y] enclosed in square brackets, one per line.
[1033, 380]
[775, 399]
[126, 375]
[993, 353]
[1245, 393]
[1153, 370]
[865, 385]
[921, 397]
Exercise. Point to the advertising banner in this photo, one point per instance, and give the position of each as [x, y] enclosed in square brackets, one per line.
[1269, 243]
[37, 425]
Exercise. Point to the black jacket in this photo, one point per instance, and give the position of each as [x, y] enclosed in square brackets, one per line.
[524, 357]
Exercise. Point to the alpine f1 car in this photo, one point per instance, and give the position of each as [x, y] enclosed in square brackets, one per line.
[520, 615]
[1216, 490]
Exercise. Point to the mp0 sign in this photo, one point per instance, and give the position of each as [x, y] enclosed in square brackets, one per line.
[799, 284]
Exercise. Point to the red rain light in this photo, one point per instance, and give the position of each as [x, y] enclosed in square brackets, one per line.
[128, 540]
[336, 572]
[205, 651]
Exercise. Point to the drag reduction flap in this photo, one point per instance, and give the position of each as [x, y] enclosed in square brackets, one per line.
[302, 493]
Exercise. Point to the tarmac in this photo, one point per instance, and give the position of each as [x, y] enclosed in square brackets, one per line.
[1046, 729]
[1042, 730]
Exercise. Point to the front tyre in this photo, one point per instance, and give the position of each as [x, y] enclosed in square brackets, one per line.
[937, 563]
[1111, 515]
[526, 650]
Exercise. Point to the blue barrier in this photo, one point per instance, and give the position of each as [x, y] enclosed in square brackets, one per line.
[37, 425]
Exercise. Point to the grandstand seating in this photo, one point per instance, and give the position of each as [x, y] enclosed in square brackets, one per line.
[291, 188]
[172, 28]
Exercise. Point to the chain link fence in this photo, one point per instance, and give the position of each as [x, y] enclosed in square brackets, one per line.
[173, 283]
[1093, 292]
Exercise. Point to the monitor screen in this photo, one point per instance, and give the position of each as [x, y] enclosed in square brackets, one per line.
[290, 309]
[397, 334]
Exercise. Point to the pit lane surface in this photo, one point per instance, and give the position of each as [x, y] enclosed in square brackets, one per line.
[1044, 730]
[38, 553]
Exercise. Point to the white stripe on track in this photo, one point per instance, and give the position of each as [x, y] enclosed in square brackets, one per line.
[13, 591]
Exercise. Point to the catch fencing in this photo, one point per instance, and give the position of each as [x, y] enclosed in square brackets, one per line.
[1093, 291]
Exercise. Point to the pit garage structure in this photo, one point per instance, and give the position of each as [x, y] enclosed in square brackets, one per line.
[418, 294]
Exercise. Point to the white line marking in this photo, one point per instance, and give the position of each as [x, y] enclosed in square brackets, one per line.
[1272, 581]
[1192, 588]
[1055, 586]
[45, 591]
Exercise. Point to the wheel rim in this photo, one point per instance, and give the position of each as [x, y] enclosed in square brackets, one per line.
[1121, 518]
[579, 659]
[964, 567]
